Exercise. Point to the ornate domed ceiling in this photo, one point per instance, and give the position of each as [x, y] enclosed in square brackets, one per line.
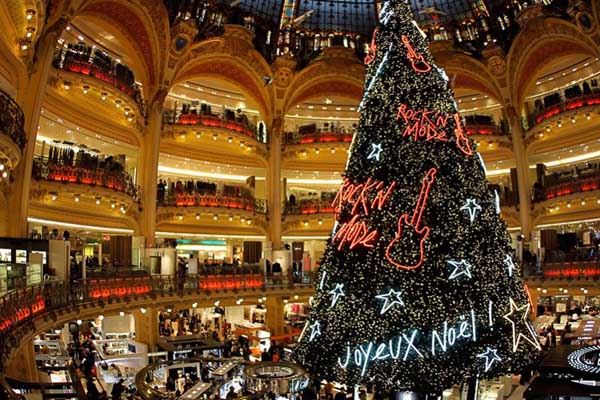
[359, 16]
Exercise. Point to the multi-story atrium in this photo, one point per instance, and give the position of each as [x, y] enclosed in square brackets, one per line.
[169, 172]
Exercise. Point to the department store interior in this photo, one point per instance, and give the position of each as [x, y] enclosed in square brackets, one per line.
[169, 170]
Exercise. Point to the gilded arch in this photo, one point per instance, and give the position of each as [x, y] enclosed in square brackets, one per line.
[144, 29]
[543, 40]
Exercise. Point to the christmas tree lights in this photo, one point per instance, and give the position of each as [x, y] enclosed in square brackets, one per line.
[419, 288]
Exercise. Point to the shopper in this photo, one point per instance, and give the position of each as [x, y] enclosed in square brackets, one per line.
[231, 394]
[117, 389]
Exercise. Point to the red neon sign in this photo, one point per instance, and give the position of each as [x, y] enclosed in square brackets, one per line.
[418, 233]
[372, 51]
[24, 312]
[355, 233]
[417, 61]
[431, 125]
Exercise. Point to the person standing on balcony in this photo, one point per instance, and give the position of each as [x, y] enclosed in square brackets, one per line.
[160, 190]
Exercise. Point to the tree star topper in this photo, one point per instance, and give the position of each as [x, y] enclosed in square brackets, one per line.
[471, 207]
[375, 151]
[391, 298]
[461, 267]
[337, 292]
[490, 356]
[518, 315]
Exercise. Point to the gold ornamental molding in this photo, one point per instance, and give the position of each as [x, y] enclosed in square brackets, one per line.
[541, 41]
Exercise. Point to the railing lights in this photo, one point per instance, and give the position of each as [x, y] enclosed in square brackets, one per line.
[230, 218]
[588, 116]
[98, 200]
[229, 139]
[548, 129]
[123, 209]
[242, 143]
[317, 151]
[573, 120]
[559, 124]
[197, 216]
[77, 197]
[197, 135]
[242, 219]
[30, 32]
[215, 136]
[249, 222]
[104, 95]
[320, 222]
[333, 150]
[215, 216]
[53, 195]
[113, 204]
[118, 103]
[67, 85]
[29, 14]
[86, 89]
[127, 109]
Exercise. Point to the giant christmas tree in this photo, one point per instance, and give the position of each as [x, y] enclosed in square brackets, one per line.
[418, 288]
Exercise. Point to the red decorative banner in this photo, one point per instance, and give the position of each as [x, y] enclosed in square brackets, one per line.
[417, 61]
[24, 312]
[431, 125]
[412, 225]
[97, 293]
[231, 282]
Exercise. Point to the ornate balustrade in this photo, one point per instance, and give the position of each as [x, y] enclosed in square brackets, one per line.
[210, 120]
[574, 185]
[84, 60]
[318, 137]
[564, 106]
[19, 308]
[309, 207]
[45, 169]
[12, 120]
[217, 200]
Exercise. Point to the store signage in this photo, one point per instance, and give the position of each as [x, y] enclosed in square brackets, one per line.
[24, 312]
[98, 293]
[586, 359]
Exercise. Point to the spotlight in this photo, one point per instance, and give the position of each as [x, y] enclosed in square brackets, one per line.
[29, 14]
[122, 314]
[215, 217]
[197, 216]
[76, 197]
[143, 310]
[54, 196]
[98, 200]
[180, 216]
[86, 88]
[103, 95]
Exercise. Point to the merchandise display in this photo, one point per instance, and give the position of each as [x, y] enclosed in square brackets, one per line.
[419, 278]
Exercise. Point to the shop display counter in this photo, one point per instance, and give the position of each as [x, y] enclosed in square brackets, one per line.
[277, 377]
[225, 371]
[196, 391]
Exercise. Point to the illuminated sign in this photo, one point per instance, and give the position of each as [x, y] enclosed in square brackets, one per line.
[586, 359]
[98, 293]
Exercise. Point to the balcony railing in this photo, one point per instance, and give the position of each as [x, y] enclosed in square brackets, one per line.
[45, 169]
[562, 106]
[484, 125]
[12, 120]
[217, 200]
[211, 120]
[93, 62]
[571, 186]
[318, 137]
[18, 308]
[309, 207]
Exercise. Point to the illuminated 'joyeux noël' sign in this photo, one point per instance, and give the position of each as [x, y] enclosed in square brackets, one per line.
[586, 359]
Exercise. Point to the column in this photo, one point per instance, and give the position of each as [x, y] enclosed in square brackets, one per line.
[23, 367]
[273, 184]
[274, 317]
[148, 171]
[522, 172]
[146, 327]
[31, 102]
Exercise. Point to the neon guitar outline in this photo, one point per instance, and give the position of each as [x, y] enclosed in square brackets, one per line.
[414, 223]
[415, 58]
